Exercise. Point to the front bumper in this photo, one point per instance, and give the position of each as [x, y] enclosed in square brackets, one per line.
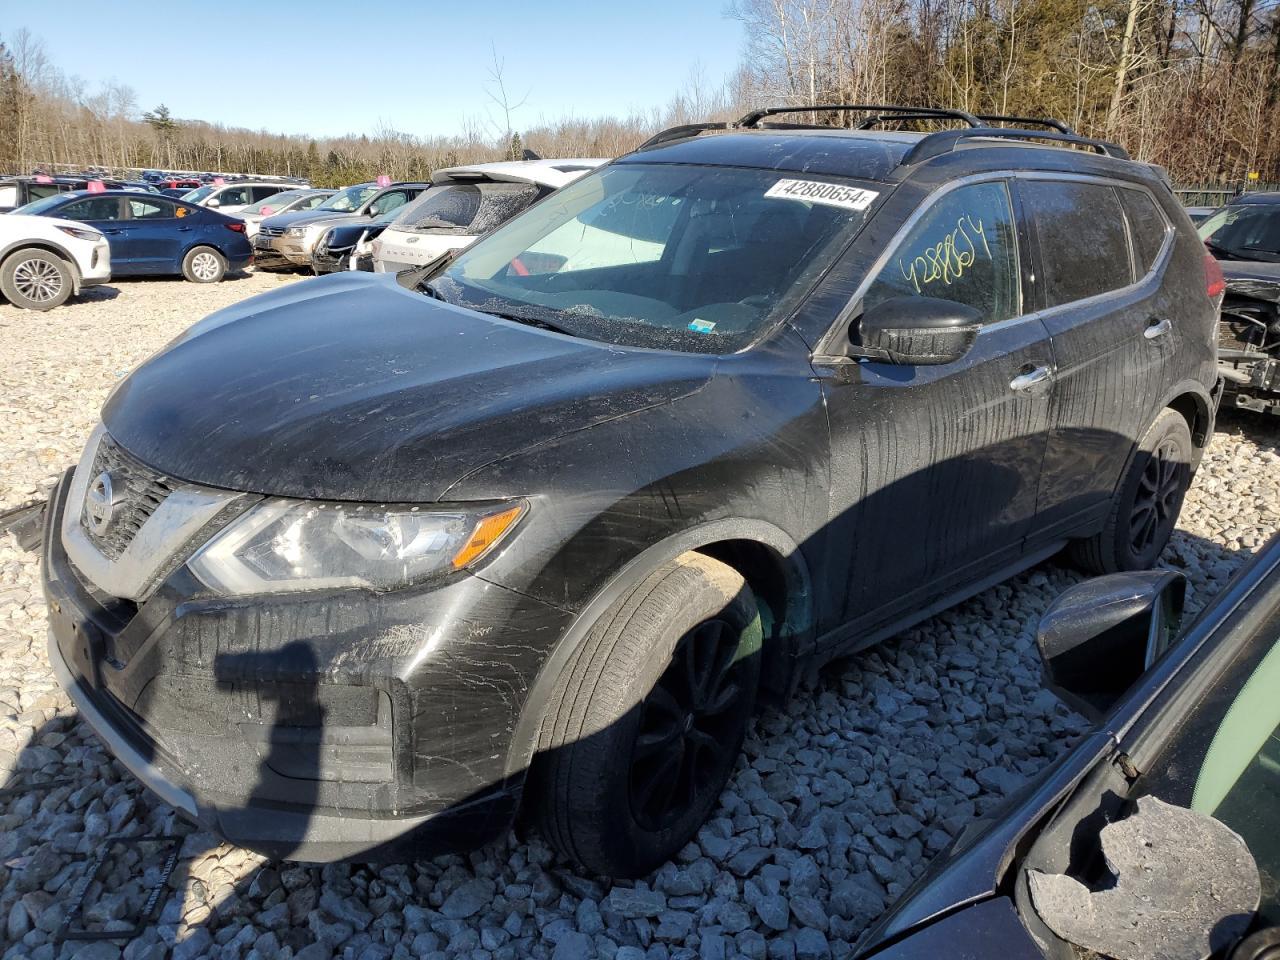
[98, 269]
[310, 727]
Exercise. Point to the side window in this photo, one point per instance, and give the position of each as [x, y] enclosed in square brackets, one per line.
[1083, 248]
[8, 196]
[150, 209]
[964, 249]
[93, 208]
[311, 202]
[1147, 227]
[261, 193]
[233, 196]
[388, 202]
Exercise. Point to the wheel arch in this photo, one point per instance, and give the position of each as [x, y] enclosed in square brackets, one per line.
[1194, 402]
[767, 558]
[48, 246]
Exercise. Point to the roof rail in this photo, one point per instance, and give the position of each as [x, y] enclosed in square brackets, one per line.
[879, 118]
[753, 118]
[1027, 121]
[945, 141]
[682, 131]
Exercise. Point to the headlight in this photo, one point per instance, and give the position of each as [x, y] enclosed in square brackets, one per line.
[296, 231]
[289, 545]
[93, 236]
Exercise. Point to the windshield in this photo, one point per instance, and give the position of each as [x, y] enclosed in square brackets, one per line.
[350, 199]
[466, 209]
[1224, 758]
[1244, 231]
[37, 207]
[274, 203]
[700, 259]
[198, 194]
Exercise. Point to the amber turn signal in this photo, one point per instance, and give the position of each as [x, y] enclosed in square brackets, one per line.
[486, 534]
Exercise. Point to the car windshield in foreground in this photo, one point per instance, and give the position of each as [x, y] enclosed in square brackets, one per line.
[198, 194]
[1244, 231]
[691, 258]
[38, 207]
[348, 200]
[1224, 758]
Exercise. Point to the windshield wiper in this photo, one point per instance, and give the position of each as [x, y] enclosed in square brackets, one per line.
[528, 321]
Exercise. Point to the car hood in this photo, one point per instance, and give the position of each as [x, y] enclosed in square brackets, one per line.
[349, 387]
[292, 218]
[1252, 279]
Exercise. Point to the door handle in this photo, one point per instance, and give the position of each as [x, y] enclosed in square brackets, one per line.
[1158, 328]
[1025, 381]
[112, 230]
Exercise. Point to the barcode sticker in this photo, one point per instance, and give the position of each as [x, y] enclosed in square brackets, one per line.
[817, 191]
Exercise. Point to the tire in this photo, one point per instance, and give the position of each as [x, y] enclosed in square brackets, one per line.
[1145, 509]
[633, 759]
[204, 265]
[36, 279]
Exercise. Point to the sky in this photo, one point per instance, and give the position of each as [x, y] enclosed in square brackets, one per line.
[327, 68]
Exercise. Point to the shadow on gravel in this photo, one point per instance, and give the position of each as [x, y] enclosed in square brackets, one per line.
[850, 789]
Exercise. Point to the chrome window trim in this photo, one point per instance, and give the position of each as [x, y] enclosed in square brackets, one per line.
[820, 354]
[175, 521]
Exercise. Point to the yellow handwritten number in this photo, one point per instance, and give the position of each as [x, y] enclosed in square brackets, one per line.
[950, 257]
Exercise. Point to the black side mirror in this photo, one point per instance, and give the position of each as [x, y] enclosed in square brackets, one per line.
[1101, 635]
[917, 330]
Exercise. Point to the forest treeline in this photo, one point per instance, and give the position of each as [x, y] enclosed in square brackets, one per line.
[1193, 85]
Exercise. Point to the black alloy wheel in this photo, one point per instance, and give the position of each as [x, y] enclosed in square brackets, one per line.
[1158, 497]
[689, 724]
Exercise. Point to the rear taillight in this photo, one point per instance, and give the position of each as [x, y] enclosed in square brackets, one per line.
[1215, 283]
[236, 226]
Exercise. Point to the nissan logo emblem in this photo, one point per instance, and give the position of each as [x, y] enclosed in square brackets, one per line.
[99, 504]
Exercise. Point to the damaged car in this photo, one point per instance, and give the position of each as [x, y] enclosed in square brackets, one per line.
[465, 202]
[1157, 834]
[1245, 238]
[368, 565]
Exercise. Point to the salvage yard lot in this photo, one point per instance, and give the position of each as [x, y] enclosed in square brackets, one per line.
[839, 802]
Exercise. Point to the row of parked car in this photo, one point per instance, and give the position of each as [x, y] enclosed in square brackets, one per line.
[75, 234]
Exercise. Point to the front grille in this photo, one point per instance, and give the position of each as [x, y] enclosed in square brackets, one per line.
[271, 231]
[141, 491]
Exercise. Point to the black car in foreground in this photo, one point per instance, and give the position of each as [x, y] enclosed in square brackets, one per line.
[1245, 237]
[382, 558]
[1192, 720]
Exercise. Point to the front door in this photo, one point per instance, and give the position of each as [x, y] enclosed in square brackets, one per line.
[935, 469]
[105, 214]
[1112, 336]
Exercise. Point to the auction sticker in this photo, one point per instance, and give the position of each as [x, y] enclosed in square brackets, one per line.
[816, 191]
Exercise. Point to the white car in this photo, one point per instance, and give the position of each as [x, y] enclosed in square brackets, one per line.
[465, 202]
[232, 197]
[283, 202]
[44, 260]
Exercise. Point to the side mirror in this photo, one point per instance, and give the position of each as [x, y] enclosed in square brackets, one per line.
[213, 202]
[1101, 635]
[917, 330]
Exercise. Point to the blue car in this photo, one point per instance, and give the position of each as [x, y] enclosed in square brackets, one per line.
[153, 235]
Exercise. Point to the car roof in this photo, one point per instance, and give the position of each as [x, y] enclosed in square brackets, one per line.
[549, 173]
[865, 154]
[1264, 197]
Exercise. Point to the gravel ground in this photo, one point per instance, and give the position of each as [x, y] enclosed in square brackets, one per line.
[839, 801]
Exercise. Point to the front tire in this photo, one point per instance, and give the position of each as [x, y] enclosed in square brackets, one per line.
[36, 280]
[204, 265]
[648, 718]
[1145, 509]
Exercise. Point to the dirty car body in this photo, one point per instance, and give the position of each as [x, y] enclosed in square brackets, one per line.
[706, 402]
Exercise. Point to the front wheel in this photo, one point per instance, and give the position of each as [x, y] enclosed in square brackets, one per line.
[1146, 504]
[204, 265]
[648, 718]
[36, 280]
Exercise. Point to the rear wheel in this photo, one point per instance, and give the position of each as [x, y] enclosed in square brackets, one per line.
[204, 265]
[36, 280]
[649, 717]
[1147, 502]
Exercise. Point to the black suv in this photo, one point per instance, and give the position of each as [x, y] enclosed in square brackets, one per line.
[375, 557]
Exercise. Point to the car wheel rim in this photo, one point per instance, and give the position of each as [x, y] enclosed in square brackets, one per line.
[204, 266]
[688, 725]
[1157, 498]
[38, 280]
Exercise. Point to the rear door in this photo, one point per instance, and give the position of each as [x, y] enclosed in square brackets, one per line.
[1098, 284]
[154, 234]
[935, 468]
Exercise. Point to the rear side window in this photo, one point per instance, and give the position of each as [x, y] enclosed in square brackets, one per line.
[963, 249]
[1147, 227]
[1083, 248]
[150, 209]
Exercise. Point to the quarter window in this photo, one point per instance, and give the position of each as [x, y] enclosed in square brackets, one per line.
[150, 210]
[963, 249]
[1147, 228]
[1083, 248]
